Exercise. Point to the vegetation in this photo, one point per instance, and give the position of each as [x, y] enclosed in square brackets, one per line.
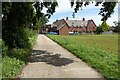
[0, 58]
[116, 28]
[19, 30]
[106, 10]
[104, 26]
[99, 30]
[19, 34]
[90, 49]
[13, 60]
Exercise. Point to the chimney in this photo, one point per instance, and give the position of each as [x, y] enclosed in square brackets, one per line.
[66, 18]
[83, 19]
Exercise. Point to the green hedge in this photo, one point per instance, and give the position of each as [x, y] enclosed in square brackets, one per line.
[14, 59]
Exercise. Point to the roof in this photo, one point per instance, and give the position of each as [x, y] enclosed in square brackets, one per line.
[59, 24]
[71, 23]
[77, 23]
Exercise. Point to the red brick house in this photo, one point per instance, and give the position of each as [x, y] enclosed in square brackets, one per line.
[65, 27]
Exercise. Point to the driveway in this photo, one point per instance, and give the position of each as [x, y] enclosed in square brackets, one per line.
[50, 60]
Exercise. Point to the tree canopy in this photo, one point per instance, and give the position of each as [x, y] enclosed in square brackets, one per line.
[105, 26]
[106, 11]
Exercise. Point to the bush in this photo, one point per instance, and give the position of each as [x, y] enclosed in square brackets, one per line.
[18, 38]
[99, 30]
[4, 49]
[15, 58]
[11, 67]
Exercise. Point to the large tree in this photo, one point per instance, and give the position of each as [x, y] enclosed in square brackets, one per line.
[18, 18]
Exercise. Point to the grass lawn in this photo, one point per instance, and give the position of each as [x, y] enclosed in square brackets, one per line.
[98, 51]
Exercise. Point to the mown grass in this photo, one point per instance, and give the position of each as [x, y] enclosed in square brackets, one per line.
[98, 51]
[14, 60]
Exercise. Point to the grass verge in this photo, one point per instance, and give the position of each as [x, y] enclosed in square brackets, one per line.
[14, 60]
[103, 61]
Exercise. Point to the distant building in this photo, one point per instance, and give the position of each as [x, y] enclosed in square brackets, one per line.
[65, 27]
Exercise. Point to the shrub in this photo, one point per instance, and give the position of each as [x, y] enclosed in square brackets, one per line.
[11, 67]
[99, 30]
[14, 59]
[4, 49]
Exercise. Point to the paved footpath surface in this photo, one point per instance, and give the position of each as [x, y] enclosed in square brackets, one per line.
[49, 60]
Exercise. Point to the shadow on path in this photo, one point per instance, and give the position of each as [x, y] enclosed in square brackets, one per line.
[49, 58]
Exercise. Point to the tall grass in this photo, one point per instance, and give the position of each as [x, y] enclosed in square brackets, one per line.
[102, 60]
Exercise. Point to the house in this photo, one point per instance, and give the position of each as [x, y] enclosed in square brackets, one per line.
[65, 27]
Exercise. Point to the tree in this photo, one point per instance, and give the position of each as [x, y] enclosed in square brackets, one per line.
[18, 17]
[105, 26]
[106, 10]
[99, 30]
[39, 25]
[15, 20]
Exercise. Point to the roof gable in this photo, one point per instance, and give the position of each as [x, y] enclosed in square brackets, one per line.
[91, 21]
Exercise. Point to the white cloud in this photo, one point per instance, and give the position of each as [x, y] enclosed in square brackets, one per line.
[113, 18]
[92, 6]
[44, 10]
[63, 6]
[96, 19]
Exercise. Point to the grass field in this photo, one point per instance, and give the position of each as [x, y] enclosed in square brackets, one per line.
[98, 51]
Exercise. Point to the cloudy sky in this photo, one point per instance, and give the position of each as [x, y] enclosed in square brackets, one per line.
[90, 12]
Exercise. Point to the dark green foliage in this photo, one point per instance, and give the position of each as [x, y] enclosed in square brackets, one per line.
[99, 30]
[18, 38]
[16, 20]
[21, 22]
[13, 60]
[19, 17]
[4, 49]
[106, 10]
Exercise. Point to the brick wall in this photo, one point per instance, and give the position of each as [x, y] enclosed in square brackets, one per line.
[64, 31]
[91, 26]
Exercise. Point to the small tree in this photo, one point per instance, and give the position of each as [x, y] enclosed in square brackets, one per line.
[105, 26]
[99, 30]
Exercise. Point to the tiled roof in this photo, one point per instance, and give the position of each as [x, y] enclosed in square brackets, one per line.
[71, 23]
[58, 24]
[77, 23]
